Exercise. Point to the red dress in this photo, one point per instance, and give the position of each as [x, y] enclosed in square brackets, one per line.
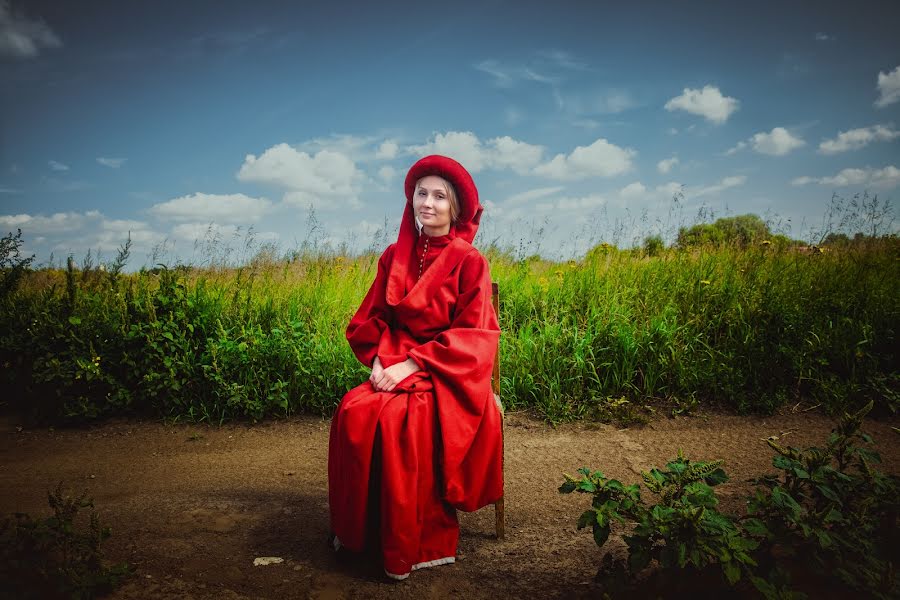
[433, 444]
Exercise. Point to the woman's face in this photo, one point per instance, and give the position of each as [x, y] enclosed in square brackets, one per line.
[431, 204]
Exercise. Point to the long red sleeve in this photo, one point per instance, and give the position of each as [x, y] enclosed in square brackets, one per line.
[373, 317]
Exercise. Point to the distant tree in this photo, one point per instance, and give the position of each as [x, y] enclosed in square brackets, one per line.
[654, 245]
[836, 239]
[742, 230]
[783, 241]
[701, 234]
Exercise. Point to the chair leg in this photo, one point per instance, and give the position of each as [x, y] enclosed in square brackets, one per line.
[499, 517]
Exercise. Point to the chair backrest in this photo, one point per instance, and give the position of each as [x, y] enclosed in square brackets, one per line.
[495, 302]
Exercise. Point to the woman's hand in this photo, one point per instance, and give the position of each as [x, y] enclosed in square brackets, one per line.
[377, 370]
[387, 379]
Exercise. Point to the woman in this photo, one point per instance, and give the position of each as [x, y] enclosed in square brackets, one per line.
[421, 438]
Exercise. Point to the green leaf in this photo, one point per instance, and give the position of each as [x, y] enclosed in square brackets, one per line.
[783, 462]
[601, 534]
[567, 487]
[756, 527]
[769, 591]
[638, 558]
[834, 516]
[825, 540]
[828, 493]
[75, 320]
[732, 572]
[784, 500]
[800, 473]
[586, 518]
[586, 486]
[168, 335]
[717, 477]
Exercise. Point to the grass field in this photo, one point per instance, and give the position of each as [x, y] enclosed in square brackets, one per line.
[613, 335]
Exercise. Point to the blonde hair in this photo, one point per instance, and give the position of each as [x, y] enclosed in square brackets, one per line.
[451, 196]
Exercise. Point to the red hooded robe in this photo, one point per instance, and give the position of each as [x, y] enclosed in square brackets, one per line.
[433, 444]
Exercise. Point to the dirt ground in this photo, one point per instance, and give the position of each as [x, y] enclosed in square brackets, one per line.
[192, 506]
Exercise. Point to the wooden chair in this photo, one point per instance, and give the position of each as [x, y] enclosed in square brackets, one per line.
[495, 386]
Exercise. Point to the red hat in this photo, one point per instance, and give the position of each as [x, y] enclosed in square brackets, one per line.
[452, 171]
[466, 225]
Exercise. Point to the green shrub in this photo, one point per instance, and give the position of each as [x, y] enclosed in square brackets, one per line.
[829, 512]
[751, 329]
[831, 509]
[47, 558]
[683, 530]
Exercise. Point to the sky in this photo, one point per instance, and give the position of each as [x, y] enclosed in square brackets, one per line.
[207, 130]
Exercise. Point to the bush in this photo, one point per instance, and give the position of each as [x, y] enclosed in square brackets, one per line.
[47, 558]
[683, 530]
[829, 512]
[830, 509]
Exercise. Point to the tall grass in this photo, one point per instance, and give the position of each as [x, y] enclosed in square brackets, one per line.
[750, 329]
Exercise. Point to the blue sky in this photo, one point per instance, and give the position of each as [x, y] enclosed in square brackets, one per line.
[188, 122]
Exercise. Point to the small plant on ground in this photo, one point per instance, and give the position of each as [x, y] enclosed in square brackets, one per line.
[829, 518]
[683, 529]
[52, 557]
[831, 510]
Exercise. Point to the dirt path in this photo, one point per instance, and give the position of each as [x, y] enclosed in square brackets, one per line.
[191, 506]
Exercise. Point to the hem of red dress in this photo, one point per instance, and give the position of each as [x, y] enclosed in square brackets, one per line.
[422, 565]
[434, 563]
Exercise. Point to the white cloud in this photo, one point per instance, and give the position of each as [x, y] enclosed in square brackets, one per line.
[666, 165]
[498, 153]
[356, 148]
[55, 223]
[708, 103]
[387, 173]
[6, 190]
[888, 88]
[72, 230]
[736, 148]
[228, 208]
[604, 102]
[462, 146]
[549, 67]
[327, 179]
[633, 190]
[777, 142]
[387, 150]
[15, 220]
[669, 189]
[724, 184]
[112, 233]
[583, 203]
[112, 163]
[855, 139]
[508, 75]
[57, 166]
[512, 154]
[193, 232]
[21, 37]
[885, 178]
[530, 195]
[824, 37]
[600, 159]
